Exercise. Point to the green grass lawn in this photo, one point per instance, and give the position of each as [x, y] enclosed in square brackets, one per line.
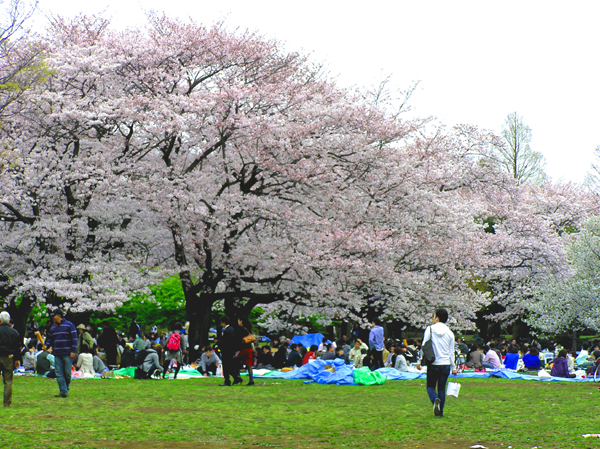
[126, 413]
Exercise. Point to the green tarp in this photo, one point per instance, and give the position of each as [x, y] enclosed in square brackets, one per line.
[364, 376]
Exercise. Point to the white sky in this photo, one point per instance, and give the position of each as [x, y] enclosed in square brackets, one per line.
[476, 61]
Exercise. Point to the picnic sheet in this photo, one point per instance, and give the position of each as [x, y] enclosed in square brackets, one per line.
[344, 374]
[338, 373]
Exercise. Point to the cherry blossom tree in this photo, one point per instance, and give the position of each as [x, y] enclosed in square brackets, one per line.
[21, 65]
[244, 169]
[571, 304]
[65, 224]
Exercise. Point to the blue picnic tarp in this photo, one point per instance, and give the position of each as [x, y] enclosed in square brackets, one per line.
[343, 375]
[308, 340]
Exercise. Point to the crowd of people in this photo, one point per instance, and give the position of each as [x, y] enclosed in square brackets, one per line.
[529, 355]
[62, 347]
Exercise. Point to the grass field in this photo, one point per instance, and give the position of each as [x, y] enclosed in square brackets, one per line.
[195, 413]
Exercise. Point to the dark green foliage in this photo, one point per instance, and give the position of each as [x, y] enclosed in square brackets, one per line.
[166, 307]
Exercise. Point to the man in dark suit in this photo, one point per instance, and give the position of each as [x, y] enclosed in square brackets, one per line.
[227, 344]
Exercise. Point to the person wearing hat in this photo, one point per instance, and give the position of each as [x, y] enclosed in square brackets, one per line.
[86, 342]
[62, 336]
[10, 355]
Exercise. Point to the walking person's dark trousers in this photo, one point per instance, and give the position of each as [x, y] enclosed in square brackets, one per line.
[230, 369]
[7, 366]
[437, 376]
[377, 359]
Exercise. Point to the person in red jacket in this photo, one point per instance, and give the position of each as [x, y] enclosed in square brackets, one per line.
[310, 355]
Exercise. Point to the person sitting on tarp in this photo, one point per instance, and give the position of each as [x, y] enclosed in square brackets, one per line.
[462, 346]
[44, 361]
[209, 362]
[280, 357]
[127, 357]
[400, 363]
[474, 358]
[139, 343]
[531, 359]
[310, 355]
[264, 358]
[390, 357]
[97, 363]
[359, 359]
[294, 359]
[511, 359]
[595, 362]
[323, 345]
[491, 359]
[29, 356]
[85, 362]
[150, 364]
[409, 354]
[346, 348]
[329, 354]
[561, 366]
[369, 361]
[356, 351]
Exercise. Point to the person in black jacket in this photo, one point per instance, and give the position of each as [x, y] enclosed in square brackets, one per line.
[280, 357]
[294, 359]
[108, 340]
[10, 355]
[228, 345]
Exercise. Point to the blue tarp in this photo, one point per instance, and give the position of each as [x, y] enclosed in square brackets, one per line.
[315, 372]
[308, 340]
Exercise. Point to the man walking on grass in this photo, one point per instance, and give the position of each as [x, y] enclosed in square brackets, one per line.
[10, 355]
[63, 339]
[442, 340]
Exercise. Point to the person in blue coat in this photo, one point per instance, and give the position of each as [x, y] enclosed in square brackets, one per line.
[531, 360]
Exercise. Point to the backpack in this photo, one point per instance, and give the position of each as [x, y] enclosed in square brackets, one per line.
[174, 342]
[139, 357]
[428, 353]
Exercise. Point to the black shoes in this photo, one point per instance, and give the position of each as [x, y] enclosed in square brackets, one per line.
[237, 381]
[437, 409]
[61, 395]
[224, 385]
[249, 384]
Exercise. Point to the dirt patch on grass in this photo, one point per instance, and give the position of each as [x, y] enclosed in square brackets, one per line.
[278, 443]
[50, 417]
[162, 410]
[458, 444]
[112, 444]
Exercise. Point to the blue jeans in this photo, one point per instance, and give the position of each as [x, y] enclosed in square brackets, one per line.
[63, 363]
[437, 376]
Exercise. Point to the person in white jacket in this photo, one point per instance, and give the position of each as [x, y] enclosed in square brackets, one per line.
[442, 340]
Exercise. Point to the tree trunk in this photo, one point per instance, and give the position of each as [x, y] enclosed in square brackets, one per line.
[199, 316]
[20, 314]
[344, 328]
